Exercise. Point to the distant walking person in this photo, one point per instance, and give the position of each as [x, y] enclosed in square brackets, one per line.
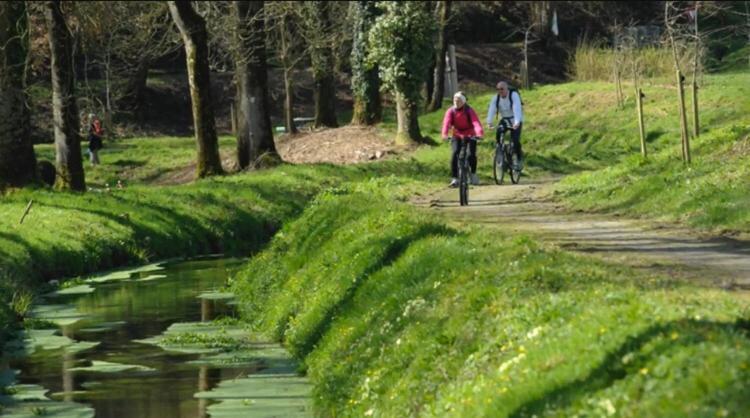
[507, 105]
[95, 138]
[466, 126]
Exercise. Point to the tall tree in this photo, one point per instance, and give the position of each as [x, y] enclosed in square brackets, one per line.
[368, 108]
[195, 37]
[401, 43]
[254, 135]
[70, 173]
[436, 101]
[319, 30]
[17, 159]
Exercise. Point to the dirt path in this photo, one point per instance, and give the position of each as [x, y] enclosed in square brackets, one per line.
[528, 208]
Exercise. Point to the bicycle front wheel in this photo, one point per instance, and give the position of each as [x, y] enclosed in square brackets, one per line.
[515, 168]
[463, 187]
[498, 168]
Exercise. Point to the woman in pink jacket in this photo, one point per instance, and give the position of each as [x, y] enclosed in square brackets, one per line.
[465, 123]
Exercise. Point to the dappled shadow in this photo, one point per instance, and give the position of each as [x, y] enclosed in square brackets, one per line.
[553, 163]
[612, 368]
[392, 252]
[652, 136]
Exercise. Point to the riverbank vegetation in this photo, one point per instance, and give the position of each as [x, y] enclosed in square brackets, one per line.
[393, 313]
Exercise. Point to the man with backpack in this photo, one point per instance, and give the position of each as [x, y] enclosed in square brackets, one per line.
[507, 105]
[466, 126]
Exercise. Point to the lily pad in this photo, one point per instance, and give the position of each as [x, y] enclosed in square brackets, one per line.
[216, 295]
[124, 274]
[49, 409]
[261, 395]
[99, 366]
[45, 339]
[202, 338]
[29, 401]
[152, 277]
[74, 290]
[261, 357]
[61, 315]
[104, 326]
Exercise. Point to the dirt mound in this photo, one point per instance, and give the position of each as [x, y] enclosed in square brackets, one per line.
[345, 145]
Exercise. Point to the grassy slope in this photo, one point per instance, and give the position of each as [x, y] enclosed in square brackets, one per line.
[68, 234]
[396, 314]
[711, 193]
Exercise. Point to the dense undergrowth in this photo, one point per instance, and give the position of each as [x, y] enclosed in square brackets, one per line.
[396, 314]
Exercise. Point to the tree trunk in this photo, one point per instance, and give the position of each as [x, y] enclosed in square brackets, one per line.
[195, 37]
[325, 101]
[70, 173]
[324, 90]
[288, 64]
[407, 116]
[289, 124]
[254, 135]
[134, 97]
[436, 101]
[17, 159]
[368, 108]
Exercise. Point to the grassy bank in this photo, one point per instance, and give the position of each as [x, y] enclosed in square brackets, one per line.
[576, 128]
[70, 234]
[710, 193]
[395, 314]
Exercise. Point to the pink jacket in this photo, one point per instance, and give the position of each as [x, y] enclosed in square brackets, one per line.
[464, 121]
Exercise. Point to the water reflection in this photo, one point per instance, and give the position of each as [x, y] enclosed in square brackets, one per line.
[122, 311]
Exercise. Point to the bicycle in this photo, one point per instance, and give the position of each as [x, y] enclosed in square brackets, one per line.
[506, 157]
[464, 170]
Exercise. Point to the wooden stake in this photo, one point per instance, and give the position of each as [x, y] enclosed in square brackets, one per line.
[641, 128]
[696, 121]
[26, 212]
[617, 87]
[683, 119]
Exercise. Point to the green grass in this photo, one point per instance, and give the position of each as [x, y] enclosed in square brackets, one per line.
[70, 234]
[576, 128]
[709, 193]
[396, 314]
[393, 312]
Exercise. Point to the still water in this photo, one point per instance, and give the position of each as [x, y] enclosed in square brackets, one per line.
[116, 314]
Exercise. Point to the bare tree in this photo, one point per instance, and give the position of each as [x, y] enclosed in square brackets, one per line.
[254, 135]
[70, 173]
[283, 28]
[123, 46]
[670, 23]
[318, 25]
[17, 158]
[195, 37]
[436, 100]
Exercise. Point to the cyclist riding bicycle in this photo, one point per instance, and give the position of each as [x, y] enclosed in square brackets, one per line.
[507, 105]
[465, 123]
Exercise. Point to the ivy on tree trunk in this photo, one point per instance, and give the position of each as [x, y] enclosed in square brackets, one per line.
[368, 108]
[195, 37]
[401, 43]
[17, 159]
[254, 134]
[70, 173]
